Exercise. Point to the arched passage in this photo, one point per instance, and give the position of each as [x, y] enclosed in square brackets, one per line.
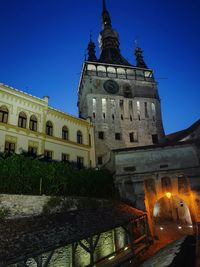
[172, 209]
[171, 218]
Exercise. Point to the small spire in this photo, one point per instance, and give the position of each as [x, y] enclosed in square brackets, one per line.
[139, 58]
[91, 50]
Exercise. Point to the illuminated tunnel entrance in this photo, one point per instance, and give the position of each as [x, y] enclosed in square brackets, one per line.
[172, 218]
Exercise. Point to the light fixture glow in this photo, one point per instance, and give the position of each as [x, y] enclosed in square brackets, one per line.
[168, 194]
[125, 248]
[161, 228]
[112, 257]
[190, 226]
[179, 227]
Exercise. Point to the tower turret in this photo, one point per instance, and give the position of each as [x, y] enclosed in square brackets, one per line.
[139, 58]
[91, 50]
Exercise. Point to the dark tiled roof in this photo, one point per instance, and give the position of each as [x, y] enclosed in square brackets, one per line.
[177, 136]
[21, 238]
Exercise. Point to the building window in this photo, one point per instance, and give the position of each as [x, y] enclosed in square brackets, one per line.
[3, 114]
[79, 137]
[131, 118]
[89, 139]
[122, 117]
[80, 162]
[101, 135]
[113, 117]
[33, 123]
[65, 157]
[133, 137]
[32, 151]
[49, 128]
[99, 160]
[48, 154]
[65, 133]
[155, 139]
[146, 110]
[9, 147]
[22, 120]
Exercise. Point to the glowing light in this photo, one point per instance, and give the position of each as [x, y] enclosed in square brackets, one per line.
[179, 227]
[161, 228]
[112, 257]
[168, 194]
[190, 226]
[125, 248]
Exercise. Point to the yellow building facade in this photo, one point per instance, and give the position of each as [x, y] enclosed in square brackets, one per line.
[28, 123]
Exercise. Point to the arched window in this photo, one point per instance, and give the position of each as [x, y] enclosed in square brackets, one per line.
[33, 123]
[3, 114]
[79, 137]
[22, 120]
[49, 128]
[65, 133]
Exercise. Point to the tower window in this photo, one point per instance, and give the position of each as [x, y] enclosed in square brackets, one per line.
[133, 137]
[113, 116]
[49, 128]
[94, 104]
[101, 135]
[117, 136]
[33, 123]
[153, 109]
[146, 110]
[3, 114]
[138, 109]
[131, 118]
[22, 120]
[155, 139]
[122, 117]
[130, 106]
[94, 115]
[121, 104]
[79, 137]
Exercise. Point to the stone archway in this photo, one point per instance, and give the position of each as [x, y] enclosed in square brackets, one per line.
[171, 218]
[171, 208]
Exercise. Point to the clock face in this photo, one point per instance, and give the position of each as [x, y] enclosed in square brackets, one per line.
[111, 87]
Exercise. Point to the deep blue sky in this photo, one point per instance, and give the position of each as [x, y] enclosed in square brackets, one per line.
[42, 46]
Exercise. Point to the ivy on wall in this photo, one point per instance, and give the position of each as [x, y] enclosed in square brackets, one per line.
[23, 174]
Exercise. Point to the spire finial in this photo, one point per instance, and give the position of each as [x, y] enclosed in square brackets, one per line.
[139, 58]
[104, 5]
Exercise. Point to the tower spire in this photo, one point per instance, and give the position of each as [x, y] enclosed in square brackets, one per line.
[106, 20]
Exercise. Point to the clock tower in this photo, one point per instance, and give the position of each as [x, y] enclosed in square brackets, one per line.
[121, 99]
